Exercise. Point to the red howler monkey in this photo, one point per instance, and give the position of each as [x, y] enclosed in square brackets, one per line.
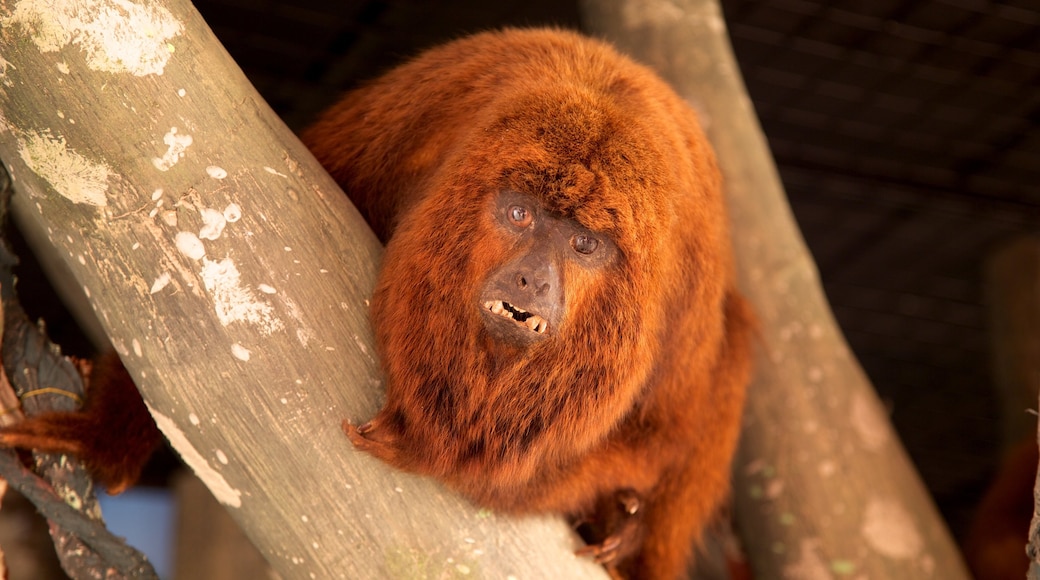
[556, 314]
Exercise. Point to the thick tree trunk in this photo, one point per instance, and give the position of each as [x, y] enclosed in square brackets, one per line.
[823, 487]
[232, 275]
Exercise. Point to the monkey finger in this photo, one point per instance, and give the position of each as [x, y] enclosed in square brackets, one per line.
[602, 553]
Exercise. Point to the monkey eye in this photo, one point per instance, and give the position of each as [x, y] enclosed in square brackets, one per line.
[584, 243]
[519, 216]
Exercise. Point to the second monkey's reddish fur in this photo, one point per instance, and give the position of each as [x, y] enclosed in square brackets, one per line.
[632, 402]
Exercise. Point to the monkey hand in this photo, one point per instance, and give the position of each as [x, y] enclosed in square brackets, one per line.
[623, 533]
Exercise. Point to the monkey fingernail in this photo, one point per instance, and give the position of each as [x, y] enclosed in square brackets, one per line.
[364, 428]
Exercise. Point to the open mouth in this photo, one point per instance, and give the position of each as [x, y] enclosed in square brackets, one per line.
[522, 317]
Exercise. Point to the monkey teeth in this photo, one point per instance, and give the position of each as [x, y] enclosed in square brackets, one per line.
[506, 310]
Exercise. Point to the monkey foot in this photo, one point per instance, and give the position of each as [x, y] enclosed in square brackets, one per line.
[369, 438]
[618, 516]
[603, 553]
[629, 501]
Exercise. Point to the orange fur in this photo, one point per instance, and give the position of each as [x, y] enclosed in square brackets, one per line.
[113, 433]
[638, 392]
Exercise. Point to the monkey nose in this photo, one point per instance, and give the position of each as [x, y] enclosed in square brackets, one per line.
[539, 287]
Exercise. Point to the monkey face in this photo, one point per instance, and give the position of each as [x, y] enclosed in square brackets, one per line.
[523, 301]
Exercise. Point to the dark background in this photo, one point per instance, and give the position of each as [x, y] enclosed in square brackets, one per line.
[905, 133]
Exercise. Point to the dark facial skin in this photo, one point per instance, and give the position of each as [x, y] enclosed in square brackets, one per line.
[523, 301]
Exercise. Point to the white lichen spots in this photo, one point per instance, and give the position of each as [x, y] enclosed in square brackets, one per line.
[153, 213]
[361, 346]
[136, 246]
[240, 352]
[233, 301]
[890, 529]
[213, 223]
[283, 401]
[716, 23]
[72, 175]
[827, 468]
[157, 194]
[63, 67]
[136, 345]
[190, 245]
[304, 519]
[61, 115]
[815, 374]
[72, 498]
[869, 424]
[4, 64]
[462, 568]
[232, 213]
[927, 564]
[216, 172]
[774, 488]
[117, 36]
[266, 289]
[193, 419]
[274, 171]
[809, 566]
[120, 347]
[176, 145]
[314, 545]
[287, 249]
[181, 92]
[221, 457]
[82, 259]
[398, 490]
[216, 483]
[161, 282]
[86, 291]
[169, 217]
